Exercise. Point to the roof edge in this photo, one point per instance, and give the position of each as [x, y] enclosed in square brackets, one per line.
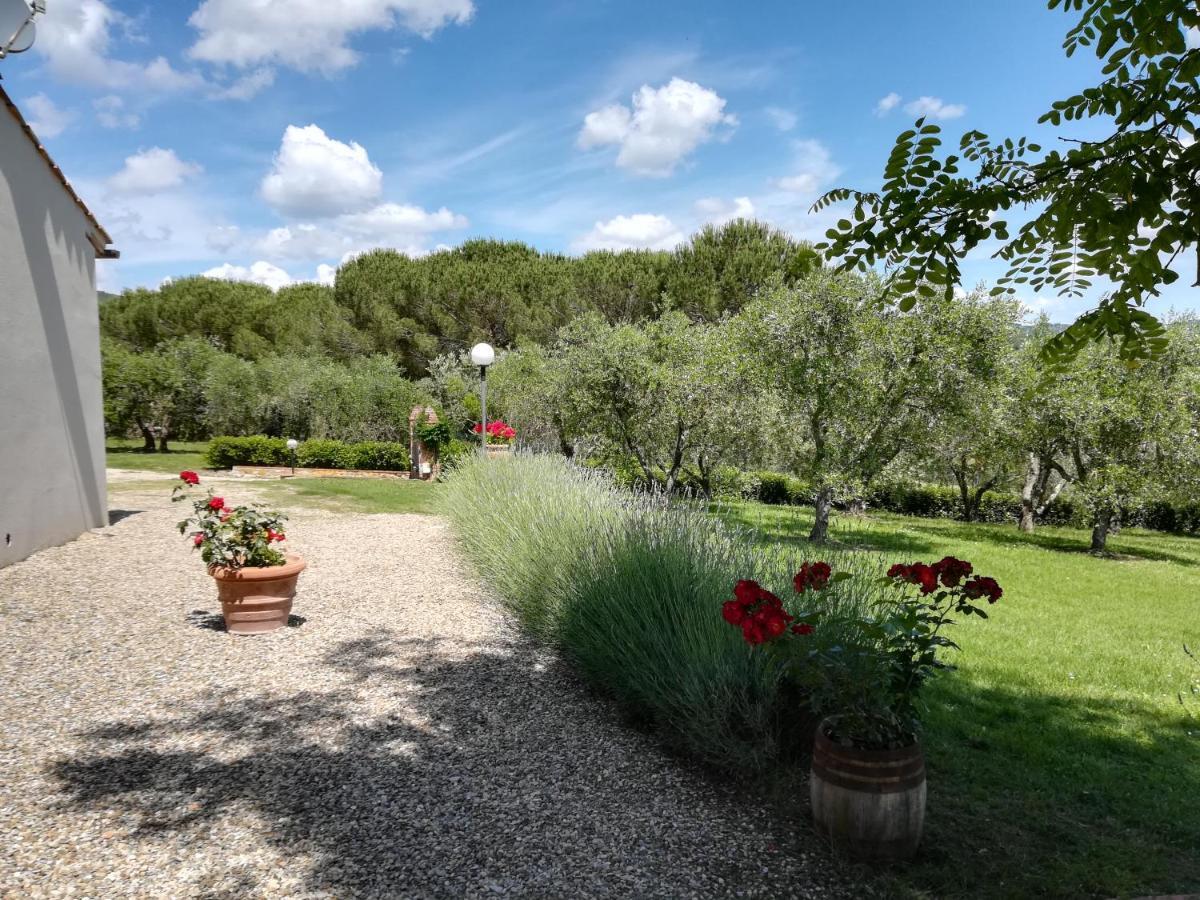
[100, 239]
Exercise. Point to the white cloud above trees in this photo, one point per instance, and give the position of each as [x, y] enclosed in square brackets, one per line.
[640, 231]
[661, 127]
[316, 176]
[152, 171]
[934, 108]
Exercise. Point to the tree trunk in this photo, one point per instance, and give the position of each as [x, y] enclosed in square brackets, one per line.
[162, 442]
[964, 491]
[147, 437]
[823, 502]
[1100, 528]
[1033, 471]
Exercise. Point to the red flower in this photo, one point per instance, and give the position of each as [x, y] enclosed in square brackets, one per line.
[273, 535]
[189, 477]
[216, 504]
[478, 429]
[802, 628]
[813, 575]
[198, 540]
[747, 592]
[733, 612]
[918, 573]
[982, 586]
[952, 571]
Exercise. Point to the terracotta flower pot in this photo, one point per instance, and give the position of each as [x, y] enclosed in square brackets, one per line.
[256, 599]
[869, 803]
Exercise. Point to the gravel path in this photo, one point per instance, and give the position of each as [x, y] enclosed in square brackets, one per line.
[398, 740]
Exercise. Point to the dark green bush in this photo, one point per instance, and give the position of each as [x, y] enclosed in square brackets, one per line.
[385, 456]
[325, 453]
[254, 450]
[782, 490]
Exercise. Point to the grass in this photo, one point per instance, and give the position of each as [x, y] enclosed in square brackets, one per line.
[1060, 758]
[363, 495]
[128, 454]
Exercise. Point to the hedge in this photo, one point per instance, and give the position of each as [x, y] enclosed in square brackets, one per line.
[259, 450]
[937, 501]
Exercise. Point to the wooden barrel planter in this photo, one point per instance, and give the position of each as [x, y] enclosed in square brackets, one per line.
[868, 803]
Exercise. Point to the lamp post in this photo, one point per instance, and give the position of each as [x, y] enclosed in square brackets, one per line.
[483, 356]
[292, 444]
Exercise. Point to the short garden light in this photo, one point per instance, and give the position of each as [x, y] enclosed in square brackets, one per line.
[292, 444]
[483, 356]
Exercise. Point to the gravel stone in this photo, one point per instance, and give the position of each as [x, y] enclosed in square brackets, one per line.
[398, 739]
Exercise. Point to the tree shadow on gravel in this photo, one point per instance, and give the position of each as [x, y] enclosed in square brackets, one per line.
[434, 770]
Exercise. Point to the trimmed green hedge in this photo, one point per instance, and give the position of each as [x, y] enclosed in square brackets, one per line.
[258, 450]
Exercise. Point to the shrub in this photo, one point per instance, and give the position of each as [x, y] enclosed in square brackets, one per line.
[629, 588]
[255, 450]
[780, 489]
[386, 456]
[324, 453]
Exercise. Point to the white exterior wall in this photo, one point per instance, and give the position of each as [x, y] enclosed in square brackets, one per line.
[52, 485]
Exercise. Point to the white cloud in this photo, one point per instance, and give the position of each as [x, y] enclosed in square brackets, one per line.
[248, 86]
[309, 34]
[75, 37]
[111, 113]
[783, 119]
[887, 104]
[815, 168]
[718, 211]
[1191, 37]
[152, 171]
[934, 108]
[401, 226]
[641, 231]
[314, 175]
[260, 272]
[664, 125]
[45, 118]
[326, 274]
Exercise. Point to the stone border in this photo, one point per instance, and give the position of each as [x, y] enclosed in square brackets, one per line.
[289, 472]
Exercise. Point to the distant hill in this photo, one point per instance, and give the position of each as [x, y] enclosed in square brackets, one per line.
[105, 295]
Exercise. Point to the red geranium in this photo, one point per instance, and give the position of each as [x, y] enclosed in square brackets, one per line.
[189, 477]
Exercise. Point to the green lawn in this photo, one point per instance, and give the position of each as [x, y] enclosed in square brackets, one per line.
[365, 495]
[1060, 758]
[127, 454]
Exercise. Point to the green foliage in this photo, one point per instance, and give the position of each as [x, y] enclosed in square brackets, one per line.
[385, 456]
[323, 453]
[231, 537]
[1122, 208]
[255, 450]
[630, 590]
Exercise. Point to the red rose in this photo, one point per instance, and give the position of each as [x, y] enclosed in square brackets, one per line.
[982, 586]
[925, 576]
[216, 504]
[733, 612]
[899, 570]
[189, 477]
[747, 591]
[952, 571]
[478, 429]
[802, 628]
[198, 540]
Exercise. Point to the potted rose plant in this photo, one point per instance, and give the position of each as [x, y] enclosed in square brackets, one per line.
[256, 581]
[868, 772]
[500, 436]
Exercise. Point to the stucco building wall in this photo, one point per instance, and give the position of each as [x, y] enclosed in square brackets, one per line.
[52, 485]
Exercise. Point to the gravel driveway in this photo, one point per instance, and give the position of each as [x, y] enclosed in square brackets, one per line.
[397, 740]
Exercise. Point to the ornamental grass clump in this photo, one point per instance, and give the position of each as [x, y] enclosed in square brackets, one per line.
[623, 584]
[230, 537]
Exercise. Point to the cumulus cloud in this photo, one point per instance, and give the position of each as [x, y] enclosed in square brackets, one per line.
[783, 119]
[814, 169]
[260, 272]
[111, 113]
[663, 126]
[223, 238]
[315, 176]
[309, 34]
[887, 103]
[641, 231]
[152, 171]
[718, 211]
[401, 226]
[326, 274]
[934, 108]
[45, 117]
[76, 37]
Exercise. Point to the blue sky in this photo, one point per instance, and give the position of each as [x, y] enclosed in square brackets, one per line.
[273, 139]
